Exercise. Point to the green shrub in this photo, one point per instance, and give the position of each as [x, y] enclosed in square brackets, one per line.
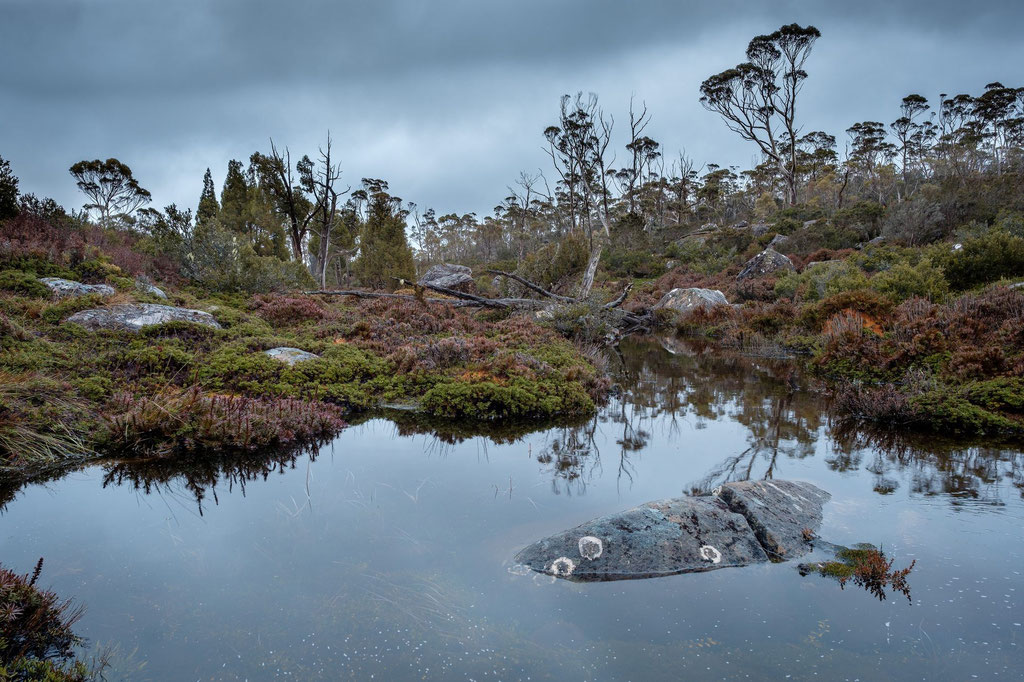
[518, 398]
[821, 280]
[555, 262]
[641, 263]
[990, 257]
[903, 281]
[56, 313]
[23, 283]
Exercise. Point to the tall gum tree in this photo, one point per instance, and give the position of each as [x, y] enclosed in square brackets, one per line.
[757, 99]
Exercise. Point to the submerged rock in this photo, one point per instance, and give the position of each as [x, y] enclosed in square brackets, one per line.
[765, 263]
[63, 288]
[290, 356]
[741, 524]
[134, 316]
[450, 276]
[685, 301]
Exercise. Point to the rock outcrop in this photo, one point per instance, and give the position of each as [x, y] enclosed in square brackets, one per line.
[64, 288]
[290, 356]
[147, 287]
[767, 262]
[740, 524]
[134, 316]
[449, 276]
[685, 301]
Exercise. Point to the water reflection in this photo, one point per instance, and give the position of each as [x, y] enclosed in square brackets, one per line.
[665, 386]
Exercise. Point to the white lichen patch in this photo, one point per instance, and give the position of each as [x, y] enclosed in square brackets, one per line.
[590, 547]
[709, 553]
[562, 567]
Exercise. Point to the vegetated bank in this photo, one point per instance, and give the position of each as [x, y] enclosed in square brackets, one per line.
[910, 336]
[70, 392]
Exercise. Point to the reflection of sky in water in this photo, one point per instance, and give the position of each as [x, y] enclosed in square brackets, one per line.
[388, 554]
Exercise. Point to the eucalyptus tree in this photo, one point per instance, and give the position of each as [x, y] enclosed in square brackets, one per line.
[757, 98]
[578, 147]
[111, 189]
[912, 134]
[999, 113]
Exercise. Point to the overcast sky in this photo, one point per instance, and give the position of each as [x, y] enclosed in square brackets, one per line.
[446, 99]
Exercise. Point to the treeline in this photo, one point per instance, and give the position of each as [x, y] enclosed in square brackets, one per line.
[936, 166]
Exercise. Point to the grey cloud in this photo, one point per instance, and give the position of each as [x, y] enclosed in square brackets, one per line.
[445, 99]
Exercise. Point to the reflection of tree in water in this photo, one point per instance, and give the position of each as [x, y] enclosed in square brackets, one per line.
[667, 381]
[674, 380]
[199, 477]
[972, 471]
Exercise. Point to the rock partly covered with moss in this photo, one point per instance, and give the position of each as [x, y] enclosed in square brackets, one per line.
[65, 288]
[290, 356]
[147, 287]
[685, 301]
[742, 523]
[134, 316]
[449, 276]
[767, 262]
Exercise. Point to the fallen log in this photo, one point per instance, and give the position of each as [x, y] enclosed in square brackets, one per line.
[531, 286]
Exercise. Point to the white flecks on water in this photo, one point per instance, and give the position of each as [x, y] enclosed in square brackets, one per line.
[590, 547]
[709, 553]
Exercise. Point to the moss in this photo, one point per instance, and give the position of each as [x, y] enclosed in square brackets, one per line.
[24, 283]
[519, 398]
[947, 410]
[121, 283]
[59, 311]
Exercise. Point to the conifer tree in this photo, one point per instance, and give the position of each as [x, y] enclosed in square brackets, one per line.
[208, 206]
[8, 190]
[384, 251]
[234, 199]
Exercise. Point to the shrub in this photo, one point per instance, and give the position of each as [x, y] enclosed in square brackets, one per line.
[36, 637]
[913, 222]
[191, 421]
[990, 257]
[903, 281]
[512, 399]
[281, 311]
[556, 262]
[620, 262]
[23, 283]
[821, 280]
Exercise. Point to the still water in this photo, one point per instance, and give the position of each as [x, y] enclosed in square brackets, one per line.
[386, 554]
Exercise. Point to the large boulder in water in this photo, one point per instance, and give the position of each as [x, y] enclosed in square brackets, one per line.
[767, 262]
[740, 524]
[449, 276]
[779, 513]
[134, 316]
[63, 288]
[685, 301]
